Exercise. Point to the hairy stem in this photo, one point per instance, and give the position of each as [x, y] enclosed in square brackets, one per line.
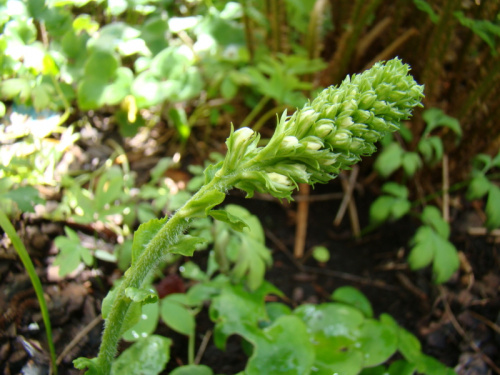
[146, 263]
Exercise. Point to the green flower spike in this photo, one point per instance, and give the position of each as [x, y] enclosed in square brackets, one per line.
[329, 134]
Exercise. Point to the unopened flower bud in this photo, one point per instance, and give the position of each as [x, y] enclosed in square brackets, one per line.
[242, 135]
[289, 142]
[279, 178]
[313, 145]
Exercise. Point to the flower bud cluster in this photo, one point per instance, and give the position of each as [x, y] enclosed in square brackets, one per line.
[332, 132]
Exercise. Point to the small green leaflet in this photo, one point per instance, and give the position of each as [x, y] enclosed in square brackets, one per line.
[144, 235]
[234, 222]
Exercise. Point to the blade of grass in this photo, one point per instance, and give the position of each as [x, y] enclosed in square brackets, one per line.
[37, 285]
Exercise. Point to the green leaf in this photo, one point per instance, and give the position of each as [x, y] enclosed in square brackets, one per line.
[234, 222]
[236, 311]
[25, 197]
[435, 118]
[202, 207]
[191, 270]
[353, 297]
[389, 160]
[401, 367]
[321, 254]
[431, 246]
[148, 320]
[411, 163]
[486, 30]
[147, 356]
[277, 309]
[90, 93]
[143, 296]
[431, 149]
[423, 252]
[478, 187]
[493, 208]
[15, 87]
[192, 370]
[186, 245]
[295, 355]
[144, 235]
[334, 328]
[377, 341]
[101, 66]
[177, 317]
[395, 189]
[117, 90]
[424, 6]
[83, 363]
[380, 210]
[432, 216]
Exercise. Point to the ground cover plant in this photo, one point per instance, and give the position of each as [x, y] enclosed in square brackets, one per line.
[116, 114]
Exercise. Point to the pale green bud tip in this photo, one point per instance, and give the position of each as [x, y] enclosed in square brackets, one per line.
[242, 135]
[279, 178]
[290, 141]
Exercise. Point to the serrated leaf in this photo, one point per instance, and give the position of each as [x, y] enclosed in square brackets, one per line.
[148, 356]
[352, 296]
[234, 222]
[144, 235]
[186, 245]
[141, 295]
[202, 207]
[493, 208]
[177, 317]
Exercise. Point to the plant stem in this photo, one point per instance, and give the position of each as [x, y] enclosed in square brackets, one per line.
[191, 348]
[145, 264]
[35, 280]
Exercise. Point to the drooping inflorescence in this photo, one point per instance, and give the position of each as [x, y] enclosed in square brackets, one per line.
[328, 134]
